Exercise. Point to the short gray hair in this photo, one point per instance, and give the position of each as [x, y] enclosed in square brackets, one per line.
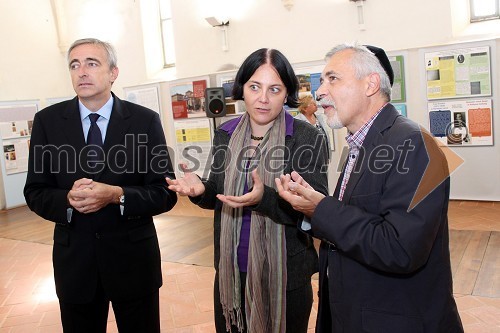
[364, 63]
[110, 50]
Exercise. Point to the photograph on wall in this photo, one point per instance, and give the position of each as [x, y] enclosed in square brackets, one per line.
[462, 122]
[464, 72]
[188, 99]
[398, 94]
[16, 155]
[309, 83]
[304, 83]
[15, 129]
[10, 157]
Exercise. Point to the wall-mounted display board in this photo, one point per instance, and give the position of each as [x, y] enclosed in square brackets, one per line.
[175, 101]
[462, 122]
[465, 121]
[15, 141]
[398, 88]
[146, 95]
[460, 72]
[309, 83]
[188, 98]
[193, 142]
[16, 121]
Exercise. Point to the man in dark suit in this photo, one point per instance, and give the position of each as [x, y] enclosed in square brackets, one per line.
[97, 168]
[384, 255]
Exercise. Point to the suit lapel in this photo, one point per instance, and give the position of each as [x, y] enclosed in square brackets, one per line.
[73, 132]
[118, 126]
[341, 168]
[73, 129]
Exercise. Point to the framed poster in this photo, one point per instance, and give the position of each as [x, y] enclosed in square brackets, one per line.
[194, 142]
[16, 123]
[147, 96]
[398, 94]
[463, 72]
[188, 98]
[15, 153]
[462, 122]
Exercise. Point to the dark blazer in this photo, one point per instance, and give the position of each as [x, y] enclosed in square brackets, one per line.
[305, 153]
[383, 267]
[120, 250]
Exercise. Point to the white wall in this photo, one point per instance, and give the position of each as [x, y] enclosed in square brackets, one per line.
[33, 67]
[305, 32]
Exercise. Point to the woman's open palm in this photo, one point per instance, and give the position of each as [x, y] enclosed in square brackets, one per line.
[190, 184]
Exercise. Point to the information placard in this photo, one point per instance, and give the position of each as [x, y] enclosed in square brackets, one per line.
[464, 72]
[194, 142]
[462, 122]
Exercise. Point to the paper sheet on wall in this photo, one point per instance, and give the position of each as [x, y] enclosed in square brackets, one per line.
[194, 141]
[147, 97]
[16, 155]
[398, 88]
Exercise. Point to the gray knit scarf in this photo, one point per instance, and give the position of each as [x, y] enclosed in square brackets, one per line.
[266, 272]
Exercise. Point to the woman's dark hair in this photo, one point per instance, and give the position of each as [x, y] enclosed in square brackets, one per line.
[276, 59]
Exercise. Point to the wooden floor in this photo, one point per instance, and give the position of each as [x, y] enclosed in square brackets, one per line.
[475, 262]
[28, 301]
[474, 240]
[183, 239]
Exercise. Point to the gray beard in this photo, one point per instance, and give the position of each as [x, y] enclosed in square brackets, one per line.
[334, 122]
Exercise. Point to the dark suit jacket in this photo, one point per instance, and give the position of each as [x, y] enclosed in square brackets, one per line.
[384, 268]
[119, 250]
[301, 155]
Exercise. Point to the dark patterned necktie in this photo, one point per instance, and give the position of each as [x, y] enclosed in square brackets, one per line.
[94, 141]
[94, 136]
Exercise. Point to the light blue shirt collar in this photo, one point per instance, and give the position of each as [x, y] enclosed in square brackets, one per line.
[102, 122]
[104, 112]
